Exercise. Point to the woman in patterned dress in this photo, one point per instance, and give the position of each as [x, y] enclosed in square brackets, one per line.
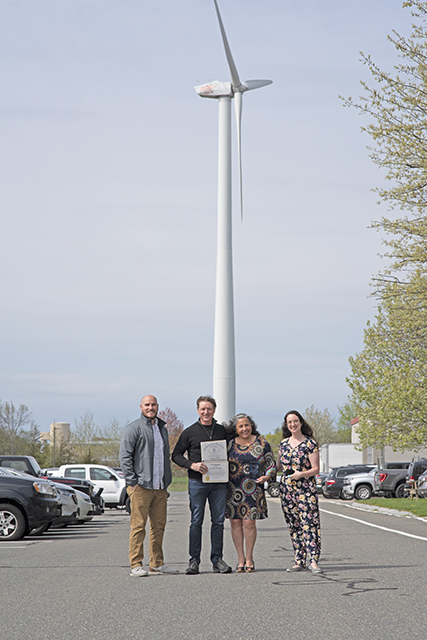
[299, 460]
[251, 463]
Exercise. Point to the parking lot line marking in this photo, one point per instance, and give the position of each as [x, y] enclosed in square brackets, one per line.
[24, 546]
[376, 526]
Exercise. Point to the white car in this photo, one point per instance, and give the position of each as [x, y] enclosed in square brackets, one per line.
[85, 507]
[103, 477]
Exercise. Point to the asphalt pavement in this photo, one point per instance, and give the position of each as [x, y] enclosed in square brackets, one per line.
[75, 583]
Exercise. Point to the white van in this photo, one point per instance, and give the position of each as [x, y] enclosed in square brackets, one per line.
[114, 486]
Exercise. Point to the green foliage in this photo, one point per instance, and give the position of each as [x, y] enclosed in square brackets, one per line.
[347, 412]
[388, 378]
[274, 440]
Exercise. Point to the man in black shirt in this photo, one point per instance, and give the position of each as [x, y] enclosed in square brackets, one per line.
[206, 428]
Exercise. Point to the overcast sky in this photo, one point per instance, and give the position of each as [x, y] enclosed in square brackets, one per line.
[108, 202]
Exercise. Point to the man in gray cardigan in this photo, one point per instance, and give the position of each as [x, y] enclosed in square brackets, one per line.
[145, 462]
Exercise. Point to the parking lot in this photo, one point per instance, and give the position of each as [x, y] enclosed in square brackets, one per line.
[75, 582]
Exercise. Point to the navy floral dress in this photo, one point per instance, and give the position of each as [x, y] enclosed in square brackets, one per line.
[246, 498]
[299, 501]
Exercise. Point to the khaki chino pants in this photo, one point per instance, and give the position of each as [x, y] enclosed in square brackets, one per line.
[152, 504]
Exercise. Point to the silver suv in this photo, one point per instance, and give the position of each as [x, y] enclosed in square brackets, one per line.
[360, 485]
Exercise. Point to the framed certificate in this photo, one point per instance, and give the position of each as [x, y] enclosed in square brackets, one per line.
[214, 455]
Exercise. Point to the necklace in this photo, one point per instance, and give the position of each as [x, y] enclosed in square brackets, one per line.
[245, 445]
[210, 435]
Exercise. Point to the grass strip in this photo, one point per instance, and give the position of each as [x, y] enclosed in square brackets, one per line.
[179, 484]
[417, 507]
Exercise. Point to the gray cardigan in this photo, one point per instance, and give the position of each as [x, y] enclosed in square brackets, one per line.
[137, 451]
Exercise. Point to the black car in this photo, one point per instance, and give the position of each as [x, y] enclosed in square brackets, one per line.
[25, 504]
[76, 483]
[320, 481]
[333, 486]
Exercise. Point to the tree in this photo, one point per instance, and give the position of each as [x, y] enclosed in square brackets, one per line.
[322, 423]
[388, 378]
[175, 427]
[347, 412]
[12, 423]
[83, 438]
[109, 443]
[397, 105]
[274, 439]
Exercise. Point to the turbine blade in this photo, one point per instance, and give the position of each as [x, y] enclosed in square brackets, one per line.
[255, 84]
[238, 109]
[233, 70]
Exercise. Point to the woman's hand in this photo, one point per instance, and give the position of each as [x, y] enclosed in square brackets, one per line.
[261, 479]
[296, 475]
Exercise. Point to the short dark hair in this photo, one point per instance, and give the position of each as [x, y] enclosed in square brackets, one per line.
[305, 428]
[206, 399]
[231, 426]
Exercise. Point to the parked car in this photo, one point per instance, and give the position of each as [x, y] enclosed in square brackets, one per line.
[333, 487]
[415, 470]
[360, 485]
[390, 479]
[26, 464]
[76, 483]
[320, 481]
[103, 477]
[85, 507]
[66, 496]
[273, 487]
[422, 485]
[85, 486]
[25, 503]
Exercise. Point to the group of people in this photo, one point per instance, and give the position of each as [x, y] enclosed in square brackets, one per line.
[145, 461]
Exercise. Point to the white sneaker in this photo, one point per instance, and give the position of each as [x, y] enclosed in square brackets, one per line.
[163, 569]
[138, 572]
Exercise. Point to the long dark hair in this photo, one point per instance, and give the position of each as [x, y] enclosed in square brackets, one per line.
[305, 429]
[231, 426]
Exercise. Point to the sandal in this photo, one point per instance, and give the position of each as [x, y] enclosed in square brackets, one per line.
[250, 568]
[240, 568]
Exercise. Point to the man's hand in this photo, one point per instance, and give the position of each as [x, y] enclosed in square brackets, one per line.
[199, 466]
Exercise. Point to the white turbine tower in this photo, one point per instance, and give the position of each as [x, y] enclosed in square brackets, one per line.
[224, 373]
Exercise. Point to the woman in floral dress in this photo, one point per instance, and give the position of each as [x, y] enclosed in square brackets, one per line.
[251, 463]
[299, 460]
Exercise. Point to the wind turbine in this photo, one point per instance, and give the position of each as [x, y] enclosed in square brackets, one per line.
[224, 371]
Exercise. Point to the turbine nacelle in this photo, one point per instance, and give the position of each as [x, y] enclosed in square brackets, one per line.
[215, 89]
[218, 89]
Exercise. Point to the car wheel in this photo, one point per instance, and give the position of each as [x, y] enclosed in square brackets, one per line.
[344, 496]
[274, 490]
[39, 530]
[127, 504]
[363, 492]
[325, 495]
[12, 522]
[400, 491]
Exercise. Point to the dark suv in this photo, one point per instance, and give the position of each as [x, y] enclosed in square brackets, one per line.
[25, 504]
[333, 486]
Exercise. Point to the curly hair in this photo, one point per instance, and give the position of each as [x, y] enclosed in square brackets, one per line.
[305, 428]
[231, 426]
